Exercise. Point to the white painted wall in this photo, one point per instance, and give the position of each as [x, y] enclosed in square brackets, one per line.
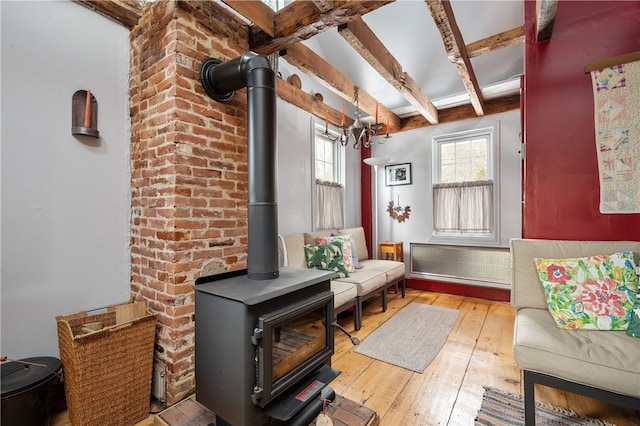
[295, 183]
[65, 199]
[415, 147]
[295, 173]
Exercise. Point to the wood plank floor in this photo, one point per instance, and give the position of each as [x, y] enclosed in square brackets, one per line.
[478, 353]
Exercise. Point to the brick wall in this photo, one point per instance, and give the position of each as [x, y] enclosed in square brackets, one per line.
[188, 172]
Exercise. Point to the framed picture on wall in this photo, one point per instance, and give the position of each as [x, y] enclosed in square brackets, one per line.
[397, 174]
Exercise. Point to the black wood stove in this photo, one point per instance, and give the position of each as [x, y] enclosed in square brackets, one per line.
[264, 337]
[263, 352]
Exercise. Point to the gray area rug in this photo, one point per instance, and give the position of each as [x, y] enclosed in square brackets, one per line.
[412, 337]
[501, 408]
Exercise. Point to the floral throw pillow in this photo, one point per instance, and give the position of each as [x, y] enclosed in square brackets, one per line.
[345, 243]
[327, 257]
[592, 293]
[354, 250]
[634, 322]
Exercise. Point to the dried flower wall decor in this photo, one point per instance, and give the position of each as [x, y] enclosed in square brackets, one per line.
[397, 212]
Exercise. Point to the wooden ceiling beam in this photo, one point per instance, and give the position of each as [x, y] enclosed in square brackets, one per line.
[301, 20]
[495, 42]
[545, 18]
[125, 12]
[257, 12]
[323, 5]
[128, 13]
[218, 19]
[326, 74]
[464, 112]
[456, 51]
[291, 94]
[358, 34]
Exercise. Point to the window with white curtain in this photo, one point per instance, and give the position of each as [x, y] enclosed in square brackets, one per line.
[463, 192]
[329, 191]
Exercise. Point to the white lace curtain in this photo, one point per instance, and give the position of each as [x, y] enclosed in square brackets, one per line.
[329, 205]
[463, 206]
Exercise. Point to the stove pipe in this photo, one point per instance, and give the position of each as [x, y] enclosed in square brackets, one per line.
[220, 81]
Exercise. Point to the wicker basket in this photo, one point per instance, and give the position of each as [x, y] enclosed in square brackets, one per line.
[107, 373]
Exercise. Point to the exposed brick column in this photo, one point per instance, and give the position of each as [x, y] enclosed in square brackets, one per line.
[188, 176]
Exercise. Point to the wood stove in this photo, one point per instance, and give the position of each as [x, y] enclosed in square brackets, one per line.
[263, 352]
[264, 336]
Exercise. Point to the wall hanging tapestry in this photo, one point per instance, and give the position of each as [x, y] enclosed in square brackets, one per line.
[616, 89]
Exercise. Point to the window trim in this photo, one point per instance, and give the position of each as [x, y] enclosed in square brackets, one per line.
[317, 135]
[479, 239]
[317, 128]
[337, 156]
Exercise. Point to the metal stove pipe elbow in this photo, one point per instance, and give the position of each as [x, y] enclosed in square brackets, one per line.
[220, 81]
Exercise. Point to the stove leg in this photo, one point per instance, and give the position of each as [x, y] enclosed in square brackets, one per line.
[219, 422]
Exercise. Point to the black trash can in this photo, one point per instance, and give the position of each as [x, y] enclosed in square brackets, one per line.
[27, 390]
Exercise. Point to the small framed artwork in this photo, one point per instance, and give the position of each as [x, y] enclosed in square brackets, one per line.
[397, 174]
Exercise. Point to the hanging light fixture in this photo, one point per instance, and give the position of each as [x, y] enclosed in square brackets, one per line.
[361, 134]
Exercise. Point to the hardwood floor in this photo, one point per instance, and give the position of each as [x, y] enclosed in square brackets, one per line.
[478, 353]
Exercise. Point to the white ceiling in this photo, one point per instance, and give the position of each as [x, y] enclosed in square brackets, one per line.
[408, 31]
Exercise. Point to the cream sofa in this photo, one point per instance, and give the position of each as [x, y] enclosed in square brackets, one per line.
[375, 276]
[600, 364]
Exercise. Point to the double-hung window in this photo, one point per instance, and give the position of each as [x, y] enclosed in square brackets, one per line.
[329, 192]
[464, 193]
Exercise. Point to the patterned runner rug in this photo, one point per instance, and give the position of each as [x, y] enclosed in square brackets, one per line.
[500, 408]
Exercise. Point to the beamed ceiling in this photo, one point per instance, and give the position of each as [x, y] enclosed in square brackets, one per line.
[410, 60]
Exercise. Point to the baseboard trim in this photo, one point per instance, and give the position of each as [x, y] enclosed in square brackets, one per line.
[488, 293]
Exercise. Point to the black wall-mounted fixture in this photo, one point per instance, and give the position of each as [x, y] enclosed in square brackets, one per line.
[84, 114]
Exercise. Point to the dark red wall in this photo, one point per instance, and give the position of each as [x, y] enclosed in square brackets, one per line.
[561, 187]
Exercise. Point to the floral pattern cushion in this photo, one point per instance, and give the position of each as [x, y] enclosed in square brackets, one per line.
[354, 250]
[327, 257]
[347, 251]
[593, 293]
[634, 323]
